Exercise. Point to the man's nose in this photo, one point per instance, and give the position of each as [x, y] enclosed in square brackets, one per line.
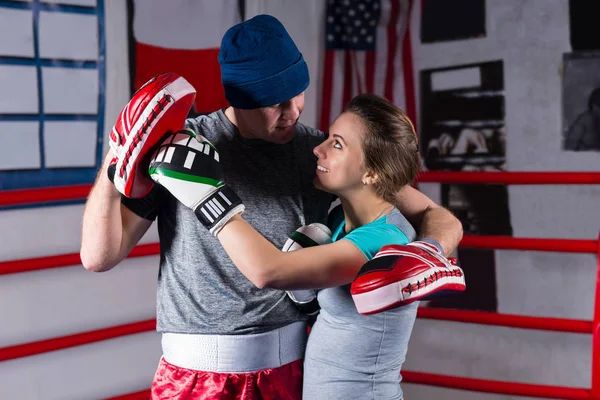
[292, 110]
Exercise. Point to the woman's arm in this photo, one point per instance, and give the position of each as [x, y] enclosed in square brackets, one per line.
[268, 267]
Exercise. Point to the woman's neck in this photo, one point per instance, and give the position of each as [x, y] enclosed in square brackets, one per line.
[363, 208]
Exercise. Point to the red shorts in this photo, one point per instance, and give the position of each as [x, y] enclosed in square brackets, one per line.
[282, 383]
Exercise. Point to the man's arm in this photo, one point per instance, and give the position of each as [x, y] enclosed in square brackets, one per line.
[429, 219]
[110, 230]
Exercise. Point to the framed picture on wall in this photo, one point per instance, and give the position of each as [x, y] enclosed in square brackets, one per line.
[463, 129]
[462, 117]
[443, 20]
[581, 101]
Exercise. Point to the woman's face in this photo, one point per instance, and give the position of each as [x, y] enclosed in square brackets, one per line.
[340, 158]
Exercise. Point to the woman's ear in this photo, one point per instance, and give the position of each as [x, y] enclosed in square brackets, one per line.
[370, 177]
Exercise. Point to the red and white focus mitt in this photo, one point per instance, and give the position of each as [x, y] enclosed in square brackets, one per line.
[399, 275]
[160, 106]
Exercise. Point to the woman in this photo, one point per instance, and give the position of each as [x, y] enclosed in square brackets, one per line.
[370, 154]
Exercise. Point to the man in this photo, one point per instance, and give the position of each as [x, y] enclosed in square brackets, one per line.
[223, 338]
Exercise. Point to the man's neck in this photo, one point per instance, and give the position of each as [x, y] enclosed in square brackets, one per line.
[233, 118]
[230, 114]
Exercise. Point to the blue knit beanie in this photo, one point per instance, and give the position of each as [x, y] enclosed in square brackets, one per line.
[260, 64]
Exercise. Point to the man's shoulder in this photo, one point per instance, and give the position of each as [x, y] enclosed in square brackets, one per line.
[204, 117]
[206, 124]
[306, 130]
[309, 136]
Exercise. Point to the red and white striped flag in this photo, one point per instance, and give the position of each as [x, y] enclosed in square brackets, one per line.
[367, 50]
[184, 37]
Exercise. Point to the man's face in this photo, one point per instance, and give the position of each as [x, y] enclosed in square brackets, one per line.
[275, 124]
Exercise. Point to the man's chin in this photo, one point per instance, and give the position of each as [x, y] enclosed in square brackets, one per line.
[283, 135]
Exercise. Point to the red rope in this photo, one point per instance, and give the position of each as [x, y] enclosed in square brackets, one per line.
[596, 335]
[79, 192]
[482, 242]
[63, 342]
[510, 320]
[141, 395]
[500, 387]
[455, 382]
[43, 195]
[18, 197]
[511, 178]
[551, 324]
[65, 260]
[533, 244]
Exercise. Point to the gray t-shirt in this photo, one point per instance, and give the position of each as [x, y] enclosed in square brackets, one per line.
[353, 356]
[199, 289]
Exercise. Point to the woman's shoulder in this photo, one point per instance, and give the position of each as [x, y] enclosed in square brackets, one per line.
[397, 219]
[392, 228]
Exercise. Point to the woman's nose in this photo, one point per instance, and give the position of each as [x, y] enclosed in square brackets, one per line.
[317, 151]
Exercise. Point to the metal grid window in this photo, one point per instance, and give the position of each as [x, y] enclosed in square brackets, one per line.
[52, 72]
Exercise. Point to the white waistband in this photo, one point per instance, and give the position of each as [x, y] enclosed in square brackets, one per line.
[236, 353]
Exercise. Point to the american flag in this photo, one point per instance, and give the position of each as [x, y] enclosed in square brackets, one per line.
[367, 50]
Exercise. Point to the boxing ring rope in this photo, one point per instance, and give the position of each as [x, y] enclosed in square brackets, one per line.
[472, 241]
[141, 395]
[514, 388]
[507, 320]
[78, 192]
[511, 178]
[43, 195]
[78, 339]
[498, 387]
[66, 260]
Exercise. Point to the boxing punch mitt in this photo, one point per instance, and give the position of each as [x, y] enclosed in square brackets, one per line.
[160, 106]
[307, 236]
[399, 275]
[188, 166]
